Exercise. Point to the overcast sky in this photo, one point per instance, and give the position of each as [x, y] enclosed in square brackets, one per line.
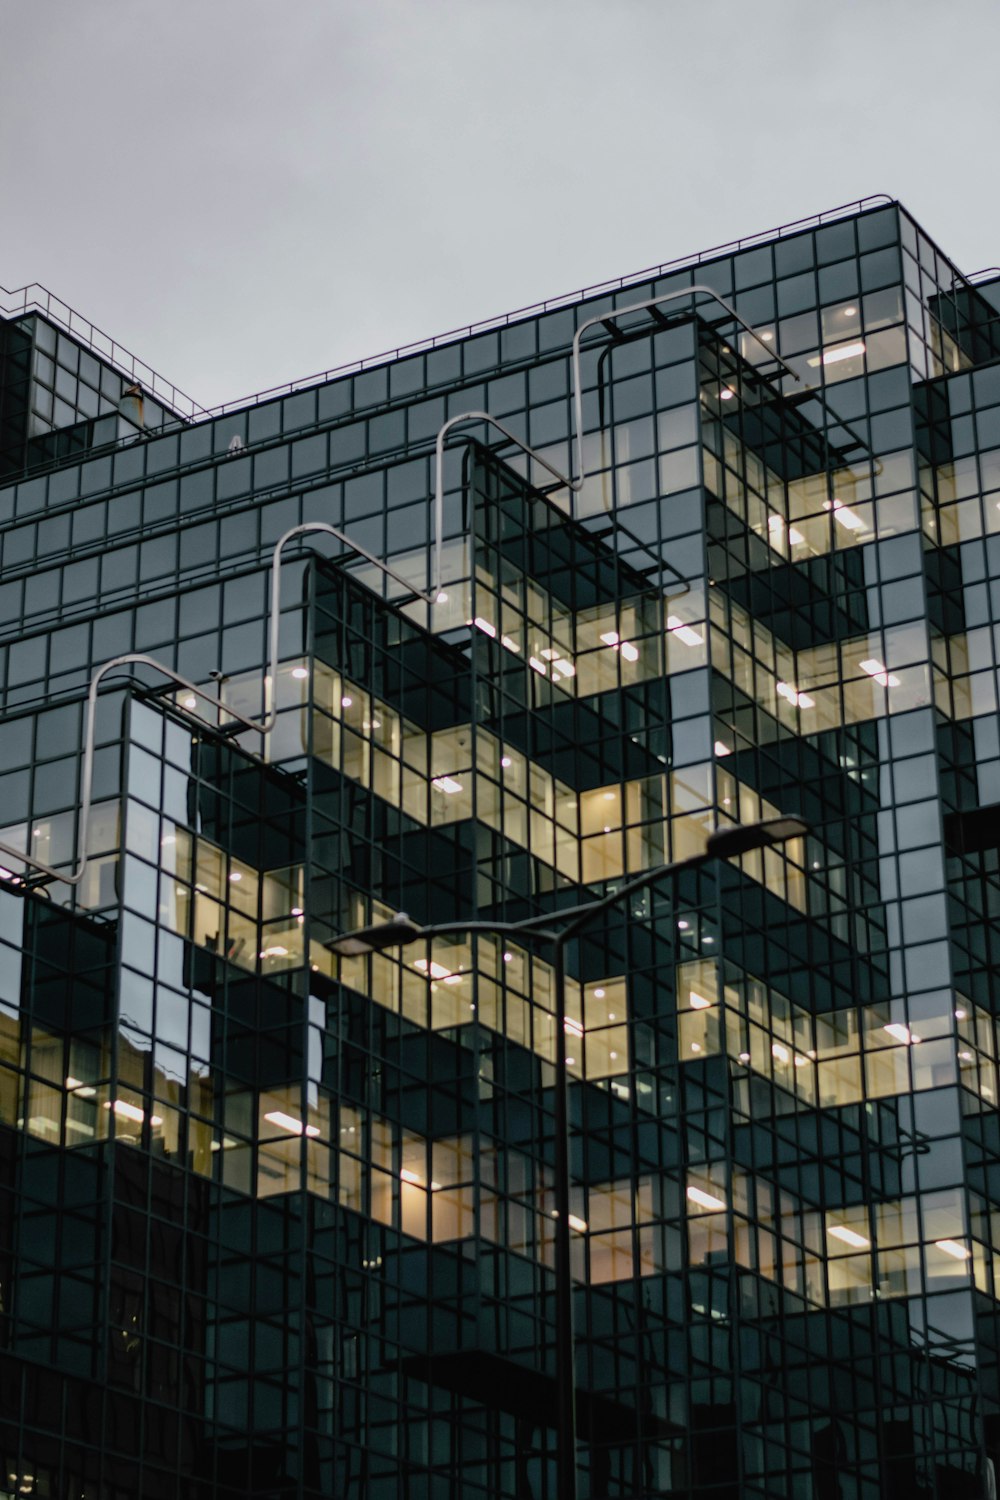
[244, 192]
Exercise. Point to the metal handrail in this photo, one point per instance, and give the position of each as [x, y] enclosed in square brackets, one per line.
[137, 658]
[107, 348]
[699, 288]
[554, 304]
[576, 485]
[101, 343]
[266, 724]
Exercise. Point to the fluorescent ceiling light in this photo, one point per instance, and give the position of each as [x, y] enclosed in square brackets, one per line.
[849, 1237]
[900, 1032]
[131, 1112]
[300, 672]
[954, 1249]
[705, 1200]
[575, 1222]
[699, 1002]
[447, 784]
[779, 1053]
[505, 640]
[797, 699]
[776, 524]
[683, 632]
[437, 971]
[721, 748]
[485, 626]
[837, 353]
[539, 666]
[613, 639]
[290, 1123]
[879, 671]
[844, 515]
[82, 1090]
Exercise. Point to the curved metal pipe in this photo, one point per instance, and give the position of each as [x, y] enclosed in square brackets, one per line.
[266, 724]
[576, 485]
[139, 658]
[699, 288]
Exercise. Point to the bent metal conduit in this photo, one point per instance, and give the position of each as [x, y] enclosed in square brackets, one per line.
[267, 723]
[619, 312]
[571, 483]
[137, 658]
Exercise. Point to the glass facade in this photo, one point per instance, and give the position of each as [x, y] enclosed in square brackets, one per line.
[282, 1224]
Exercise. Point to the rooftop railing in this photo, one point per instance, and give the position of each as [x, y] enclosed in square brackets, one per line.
[552, 304]
[36, 298]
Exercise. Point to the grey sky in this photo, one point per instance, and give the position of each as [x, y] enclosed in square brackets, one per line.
[244, 192]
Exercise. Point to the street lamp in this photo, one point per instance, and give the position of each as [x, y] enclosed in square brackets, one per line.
[400, 930]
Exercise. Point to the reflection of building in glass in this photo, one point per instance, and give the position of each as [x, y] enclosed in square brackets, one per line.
[280, 1224]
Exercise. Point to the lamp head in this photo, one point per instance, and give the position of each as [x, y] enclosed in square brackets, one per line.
[394, 933]
[724, 843]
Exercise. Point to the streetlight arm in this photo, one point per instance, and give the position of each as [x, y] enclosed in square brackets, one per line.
[723, 843]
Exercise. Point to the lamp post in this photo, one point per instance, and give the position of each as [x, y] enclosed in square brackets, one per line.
[401, 930]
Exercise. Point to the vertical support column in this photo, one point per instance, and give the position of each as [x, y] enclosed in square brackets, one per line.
[565, 1353]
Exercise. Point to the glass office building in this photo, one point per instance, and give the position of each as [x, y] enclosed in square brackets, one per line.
[281, 1224]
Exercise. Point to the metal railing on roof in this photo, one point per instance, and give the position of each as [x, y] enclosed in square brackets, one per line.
[36, 298]
[553, 304]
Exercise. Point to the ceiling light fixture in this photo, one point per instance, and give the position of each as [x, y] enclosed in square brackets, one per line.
[838, 353]
[844, 515]
[879, 671]
[849, 1237]
[683, 632]
[290, 1123]
[705, 1200]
